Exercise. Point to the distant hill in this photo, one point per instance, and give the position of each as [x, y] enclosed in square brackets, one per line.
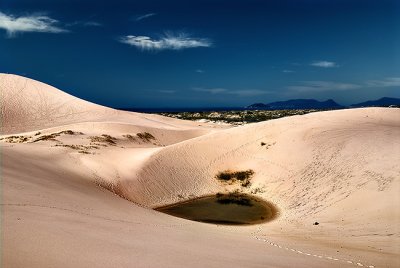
[297, 104]
[258, 106]
[383, 102]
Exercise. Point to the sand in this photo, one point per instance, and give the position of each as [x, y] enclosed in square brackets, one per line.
[80, 199]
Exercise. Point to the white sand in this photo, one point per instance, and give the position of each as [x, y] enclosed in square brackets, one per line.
[339, 168]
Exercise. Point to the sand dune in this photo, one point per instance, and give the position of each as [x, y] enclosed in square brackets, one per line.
[28, 105]
[80, 192]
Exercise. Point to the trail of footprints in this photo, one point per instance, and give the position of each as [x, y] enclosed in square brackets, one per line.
[351, 262]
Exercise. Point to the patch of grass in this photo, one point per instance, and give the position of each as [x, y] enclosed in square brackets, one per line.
[50, 137]
[70, 132]
[238, 175]
[84, 152]
[232, 176]
[129, 137]
[16, 139]
[145, 136]
[257, 190]
[103, 139]
[77, 147]
[53, 136]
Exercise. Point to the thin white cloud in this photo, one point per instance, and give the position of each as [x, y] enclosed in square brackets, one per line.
[85, 23]
[320, 86]
[324, 64]
[168, 41]
[288, 71]
[92, 23]
[167, 91]
[199, 71]
[387, 82]
[243, 92]
[145, 16]
[211, 90]
[249, 92]
[31, 23]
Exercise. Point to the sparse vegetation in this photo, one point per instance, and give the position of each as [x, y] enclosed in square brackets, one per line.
[263, 143]
[145, 136]
[84, 152]
[16, 139]
[232, 176]
[104, 138]
[239, 175]
[53, 136]
[77, 147]
[129, 137]
[70, 132]
[257, 190]
[142, 136]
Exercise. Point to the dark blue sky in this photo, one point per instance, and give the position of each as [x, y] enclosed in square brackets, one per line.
[205, 53]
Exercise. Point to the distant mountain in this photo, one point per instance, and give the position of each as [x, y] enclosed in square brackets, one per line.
[297, 104]
[259, 105]
[383, 102]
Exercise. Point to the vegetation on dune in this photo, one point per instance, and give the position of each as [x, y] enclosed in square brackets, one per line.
[53, 136]
[142, 136]
[104, 138]
[83, 149]
[129, 137]
[233, 176]
[145, 136]
[47, 137]
[16, 139]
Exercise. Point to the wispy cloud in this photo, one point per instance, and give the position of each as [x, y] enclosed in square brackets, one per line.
[92, 23]
[249, 92]
[387, 82]
[85, 23]
[324, 64]
[211, 90]
[167, 41]
[319, 86]
[199, 71]
[288, 71]
[243, 92]
[167, 91]
[31, 23]
[145, 16]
